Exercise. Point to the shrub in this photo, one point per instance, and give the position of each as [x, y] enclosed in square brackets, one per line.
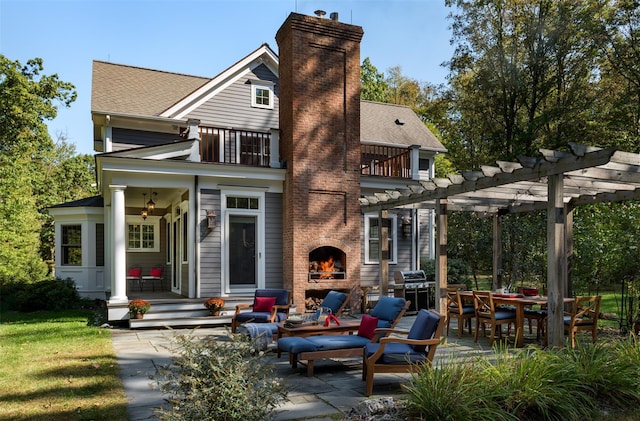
[48, 295]
[458, 271]
[531, 384]
[218, 379]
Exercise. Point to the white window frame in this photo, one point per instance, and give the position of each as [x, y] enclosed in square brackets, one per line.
[70, 245]
[260, 236]
[267, 86]
[153, 221]
[393, 238]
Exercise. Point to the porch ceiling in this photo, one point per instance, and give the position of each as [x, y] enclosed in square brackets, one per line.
[591, 175]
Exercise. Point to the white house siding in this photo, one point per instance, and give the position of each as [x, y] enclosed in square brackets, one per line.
[232, 106]
[273, 239]
[128, 138]
[210, 248]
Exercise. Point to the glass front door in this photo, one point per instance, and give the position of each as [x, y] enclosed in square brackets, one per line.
[242, 251]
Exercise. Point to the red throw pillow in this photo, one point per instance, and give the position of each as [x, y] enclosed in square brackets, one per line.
[368, 325]
[264, 304]
[156, 272]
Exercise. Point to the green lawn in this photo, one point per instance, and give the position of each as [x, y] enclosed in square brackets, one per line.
[56, 366]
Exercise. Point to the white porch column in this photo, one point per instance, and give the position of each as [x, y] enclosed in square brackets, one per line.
[415, 162]
[274, 147]
[118, 249]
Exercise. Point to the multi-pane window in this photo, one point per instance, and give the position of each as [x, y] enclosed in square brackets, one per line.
[142, 236]
[234, 202]
[263, 97]
[372, 239]
[71, 245]
[262, 94]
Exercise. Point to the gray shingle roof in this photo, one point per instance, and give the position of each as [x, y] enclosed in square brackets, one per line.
[130, 90]
[397, 124]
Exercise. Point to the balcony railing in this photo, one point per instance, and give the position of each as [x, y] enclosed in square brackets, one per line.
[231, 146]
[385, 161]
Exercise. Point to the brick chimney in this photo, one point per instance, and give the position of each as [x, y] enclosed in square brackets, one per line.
[319, 77]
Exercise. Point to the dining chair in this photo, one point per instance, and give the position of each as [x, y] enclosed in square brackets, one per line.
[486, 313]
[458, 309]
[583, 317]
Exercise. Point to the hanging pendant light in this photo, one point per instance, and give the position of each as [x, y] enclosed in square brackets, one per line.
[151, 205]
[144, 213]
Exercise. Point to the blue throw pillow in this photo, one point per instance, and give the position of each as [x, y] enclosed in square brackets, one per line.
[388, 308]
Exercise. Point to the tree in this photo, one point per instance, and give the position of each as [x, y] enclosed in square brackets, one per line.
[372, 84]
[27, 100]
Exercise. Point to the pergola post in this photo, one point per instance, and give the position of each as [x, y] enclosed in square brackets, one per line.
[441, 254]
[383, 258]
[555, 259]
[497, 252]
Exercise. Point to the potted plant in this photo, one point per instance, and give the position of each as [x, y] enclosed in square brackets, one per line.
[214, 305]
[138, 307]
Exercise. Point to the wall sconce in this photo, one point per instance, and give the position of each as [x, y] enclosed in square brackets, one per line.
[406, 226]
[144, 213]
[211, 219]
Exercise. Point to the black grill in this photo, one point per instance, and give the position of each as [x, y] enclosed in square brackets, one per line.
[413, 285]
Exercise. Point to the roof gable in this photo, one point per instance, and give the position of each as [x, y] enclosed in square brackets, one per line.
[263, 55]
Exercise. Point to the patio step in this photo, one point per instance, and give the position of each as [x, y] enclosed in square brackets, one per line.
[186, 313]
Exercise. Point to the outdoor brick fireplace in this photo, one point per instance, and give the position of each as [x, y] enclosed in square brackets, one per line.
[319, 75]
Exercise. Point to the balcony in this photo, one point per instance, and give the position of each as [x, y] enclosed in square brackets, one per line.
[386, 161]
[229, 146]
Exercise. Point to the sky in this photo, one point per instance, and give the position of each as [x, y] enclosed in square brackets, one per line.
[203, 38]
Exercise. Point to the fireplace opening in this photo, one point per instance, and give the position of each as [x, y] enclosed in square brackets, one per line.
[326, 263]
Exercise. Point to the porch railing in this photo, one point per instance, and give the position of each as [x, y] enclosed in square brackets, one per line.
[231, 146]
[385, 161]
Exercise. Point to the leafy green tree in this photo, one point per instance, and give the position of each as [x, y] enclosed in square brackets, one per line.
[373, 87]
[27, 100]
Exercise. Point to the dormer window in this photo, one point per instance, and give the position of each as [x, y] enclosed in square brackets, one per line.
[262, 94]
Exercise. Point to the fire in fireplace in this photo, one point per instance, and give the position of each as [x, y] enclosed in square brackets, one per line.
[326, 263]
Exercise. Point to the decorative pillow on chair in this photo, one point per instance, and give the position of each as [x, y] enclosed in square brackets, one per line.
[156, 272]
[368, 325]
[264, 304]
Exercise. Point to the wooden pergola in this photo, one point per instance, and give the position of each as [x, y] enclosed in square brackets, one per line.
[556, 181]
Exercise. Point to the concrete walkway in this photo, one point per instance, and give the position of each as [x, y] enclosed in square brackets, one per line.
[335, 388]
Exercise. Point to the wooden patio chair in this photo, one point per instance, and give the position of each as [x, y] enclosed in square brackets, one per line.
[583, 317]
[395, 354]
[458, 309]
[487, 313]
[270, 305]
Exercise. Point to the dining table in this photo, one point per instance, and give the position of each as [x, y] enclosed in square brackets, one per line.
[519, 302]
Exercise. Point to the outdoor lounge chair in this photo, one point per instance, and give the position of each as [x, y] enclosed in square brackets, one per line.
[388, 312]
[393, 354]
[135, 274]
[270, 305]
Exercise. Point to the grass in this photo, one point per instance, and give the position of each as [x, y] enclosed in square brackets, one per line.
[56, 366]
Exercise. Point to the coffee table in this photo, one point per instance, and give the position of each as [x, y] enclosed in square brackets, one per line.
[346, 326]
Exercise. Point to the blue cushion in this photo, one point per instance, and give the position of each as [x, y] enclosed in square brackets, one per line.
[282, 295]
[325, 342]
[295, 345]
[503, 315]
[579, 322]
[384, 324]
[468, 310]
[334, 301]
[395, 353]
[388, 308]
[259, 317]
[424, 327]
